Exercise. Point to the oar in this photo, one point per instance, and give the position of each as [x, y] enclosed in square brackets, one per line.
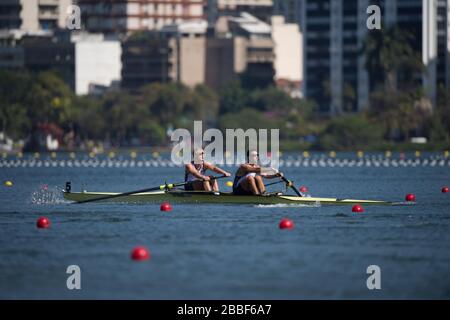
[272, 183]
[161, 187]
[291, 184]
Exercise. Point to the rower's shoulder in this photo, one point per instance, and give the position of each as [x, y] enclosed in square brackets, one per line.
[248, 165]
[243, 168]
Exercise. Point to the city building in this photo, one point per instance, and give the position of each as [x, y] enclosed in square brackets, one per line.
[145, 59]
[335, 75]
[261, 9]
[333, 33]
[85, 62]
[254, 49]
[126, 16]
[98, 63]
[33, 15]
[259, 53]
[288, 62]
[176, 53]
[289, 9]
[222, 62]
[11, 53]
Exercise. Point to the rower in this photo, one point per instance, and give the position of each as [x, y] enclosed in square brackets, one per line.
[249, 178]
[195, 177]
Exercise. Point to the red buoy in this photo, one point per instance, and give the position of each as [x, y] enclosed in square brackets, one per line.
[140, 254]
[286, 224]
[357, 208]
[445, 190]
[410, 197]
[43, 223]
[303, 189]
[166, 207]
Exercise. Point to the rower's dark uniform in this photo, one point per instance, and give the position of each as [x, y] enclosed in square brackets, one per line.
[237, 188]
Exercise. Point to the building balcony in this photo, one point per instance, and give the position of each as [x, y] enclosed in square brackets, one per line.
[49, 3]
[48, 15]
[260, 58]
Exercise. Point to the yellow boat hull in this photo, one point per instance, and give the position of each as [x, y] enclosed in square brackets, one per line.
[223, 197]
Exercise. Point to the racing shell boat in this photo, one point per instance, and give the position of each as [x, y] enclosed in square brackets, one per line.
[181, 196]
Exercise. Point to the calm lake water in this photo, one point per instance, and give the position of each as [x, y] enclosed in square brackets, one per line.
[226, 252]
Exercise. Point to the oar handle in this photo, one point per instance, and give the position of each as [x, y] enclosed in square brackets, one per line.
[216, 177]
[291, 184]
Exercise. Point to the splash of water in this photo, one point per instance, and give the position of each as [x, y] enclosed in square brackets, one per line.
[47, 195]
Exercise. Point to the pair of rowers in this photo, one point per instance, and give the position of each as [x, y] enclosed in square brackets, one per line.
[248, 178]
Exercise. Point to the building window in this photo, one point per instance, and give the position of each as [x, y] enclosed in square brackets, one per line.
[47, 24]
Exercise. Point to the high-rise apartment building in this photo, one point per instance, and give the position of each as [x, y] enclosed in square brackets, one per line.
[86, 62]
[33, 15]
[261, 9]
[174, 54]
[335, 75]
[111, 16]
[290, 9]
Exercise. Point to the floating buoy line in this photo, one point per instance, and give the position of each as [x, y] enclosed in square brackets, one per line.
[303, 160]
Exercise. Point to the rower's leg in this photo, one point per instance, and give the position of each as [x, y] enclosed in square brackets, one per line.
[260, 184]
[207, 186]
[249, 184]
[215, 185]
[201, 186]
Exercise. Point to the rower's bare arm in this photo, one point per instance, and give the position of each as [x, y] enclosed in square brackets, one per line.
[195, 172]
[250, 168]
[272, 176]
[212, 167]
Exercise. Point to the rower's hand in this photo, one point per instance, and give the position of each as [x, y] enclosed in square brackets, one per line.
[206, 178]
[227, 174]
[280, 174]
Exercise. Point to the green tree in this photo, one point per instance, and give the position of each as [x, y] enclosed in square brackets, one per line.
[13, 111]
[401, 114]
[247, 118]
[203, 104]
[165, 102]
[350, 132]
[89, 119]
[233, 98]
[119, 110]
[150, 132]
[389, 52]
[272, 99]
[49, 99]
